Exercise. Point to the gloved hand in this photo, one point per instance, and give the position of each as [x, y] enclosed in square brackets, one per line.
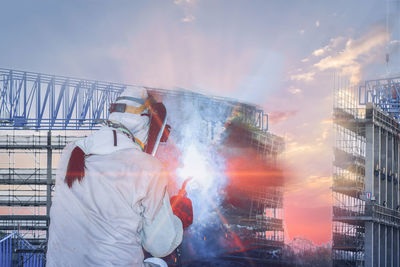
[182, 207]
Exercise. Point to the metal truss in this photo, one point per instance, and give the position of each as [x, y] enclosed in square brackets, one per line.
[39, 101]
[36, 101]
[384, 93]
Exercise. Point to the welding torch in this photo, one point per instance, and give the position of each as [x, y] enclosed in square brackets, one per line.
[182, 191]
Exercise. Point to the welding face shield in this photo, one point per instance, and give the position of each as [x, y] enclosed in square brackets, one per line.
[159, 129]
[143, 116]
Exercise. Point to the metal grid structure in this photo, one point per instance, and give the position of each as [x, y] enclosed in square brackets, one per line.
[366, 219]
[39, 101]
[26, 182]
[384, 93]
[32, 101]
[265, 215]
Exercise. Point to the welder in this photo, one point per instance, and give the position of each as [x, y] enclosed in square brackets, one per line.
[110, 200]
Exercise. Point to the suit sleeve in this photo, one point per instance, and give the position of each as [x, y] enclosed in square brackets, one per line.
[162, 231]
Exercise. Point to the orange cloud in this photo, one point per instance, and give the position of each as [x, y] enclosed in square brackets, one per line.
[355, 53]
[321, 51]
[275, 117]
[307, 76]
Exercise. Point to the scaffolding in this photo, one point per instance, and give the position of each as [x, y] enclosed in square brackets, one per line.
[26, 182]
[366, 219]
[265, 212]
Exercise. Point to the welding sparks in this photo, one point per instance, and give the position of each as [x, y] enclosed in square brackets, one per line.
[196, 166]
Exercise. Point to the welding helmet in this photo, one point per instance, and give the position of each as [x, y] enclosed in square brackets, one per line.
[128, 109]
[142, 115]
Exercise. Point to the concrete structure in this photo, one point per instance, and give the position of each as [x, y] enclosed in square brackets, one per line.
[366, 217]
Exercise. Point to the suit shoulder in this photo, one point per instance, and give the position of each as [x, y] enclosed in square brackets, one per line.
[143, 159]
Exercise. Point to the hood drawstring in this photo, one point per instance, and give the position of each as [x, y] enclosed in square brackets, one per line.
[115, 138]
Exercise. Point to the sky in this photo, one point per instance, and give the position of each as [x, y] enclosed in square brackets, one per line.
[281, 55]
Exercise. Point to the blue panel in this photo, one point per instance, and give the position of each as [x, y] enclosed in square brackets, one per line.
[35, 257]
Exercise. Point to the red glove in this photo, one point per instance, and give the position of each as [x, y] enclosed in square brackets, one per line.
[182, 208]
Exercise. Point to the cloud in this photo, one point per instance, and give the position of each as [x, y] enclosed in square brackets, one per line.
[187, 6]
[277, 116]
[294, 149]
[307, 76]
[355, 54]
[395, 42]
[394, 46]
[319, 52]
[347, 55]
[188, 18]
[317, 23]
[326, 49]
[295, 91]
[333, 43]
[336, 42]
[183, 2]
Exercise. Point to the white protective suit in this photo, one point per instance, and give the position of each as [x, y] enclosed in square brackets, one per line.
[120, 206]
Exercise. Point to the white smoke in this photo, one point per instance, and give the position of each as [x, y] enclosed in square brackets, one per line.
[196, 130]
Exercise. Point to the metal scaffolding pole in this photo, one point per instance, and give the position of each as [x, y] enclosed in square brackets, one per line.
[49, 181]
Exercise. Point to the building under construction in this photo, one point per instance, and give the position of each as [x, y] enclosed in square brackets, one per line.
[366, 217]
[40, 114]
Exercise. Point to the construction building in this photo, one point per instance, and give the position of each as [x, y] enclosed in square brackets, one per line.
[366, 217]
[40, 114]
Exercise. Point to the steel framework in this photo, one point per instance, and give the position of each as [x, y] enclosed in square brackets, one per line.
[46, 102]
[39, 101]
[384, 93]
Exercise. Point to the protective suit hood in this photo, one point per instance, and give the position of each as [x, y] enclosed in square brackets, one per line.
[136, 123]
